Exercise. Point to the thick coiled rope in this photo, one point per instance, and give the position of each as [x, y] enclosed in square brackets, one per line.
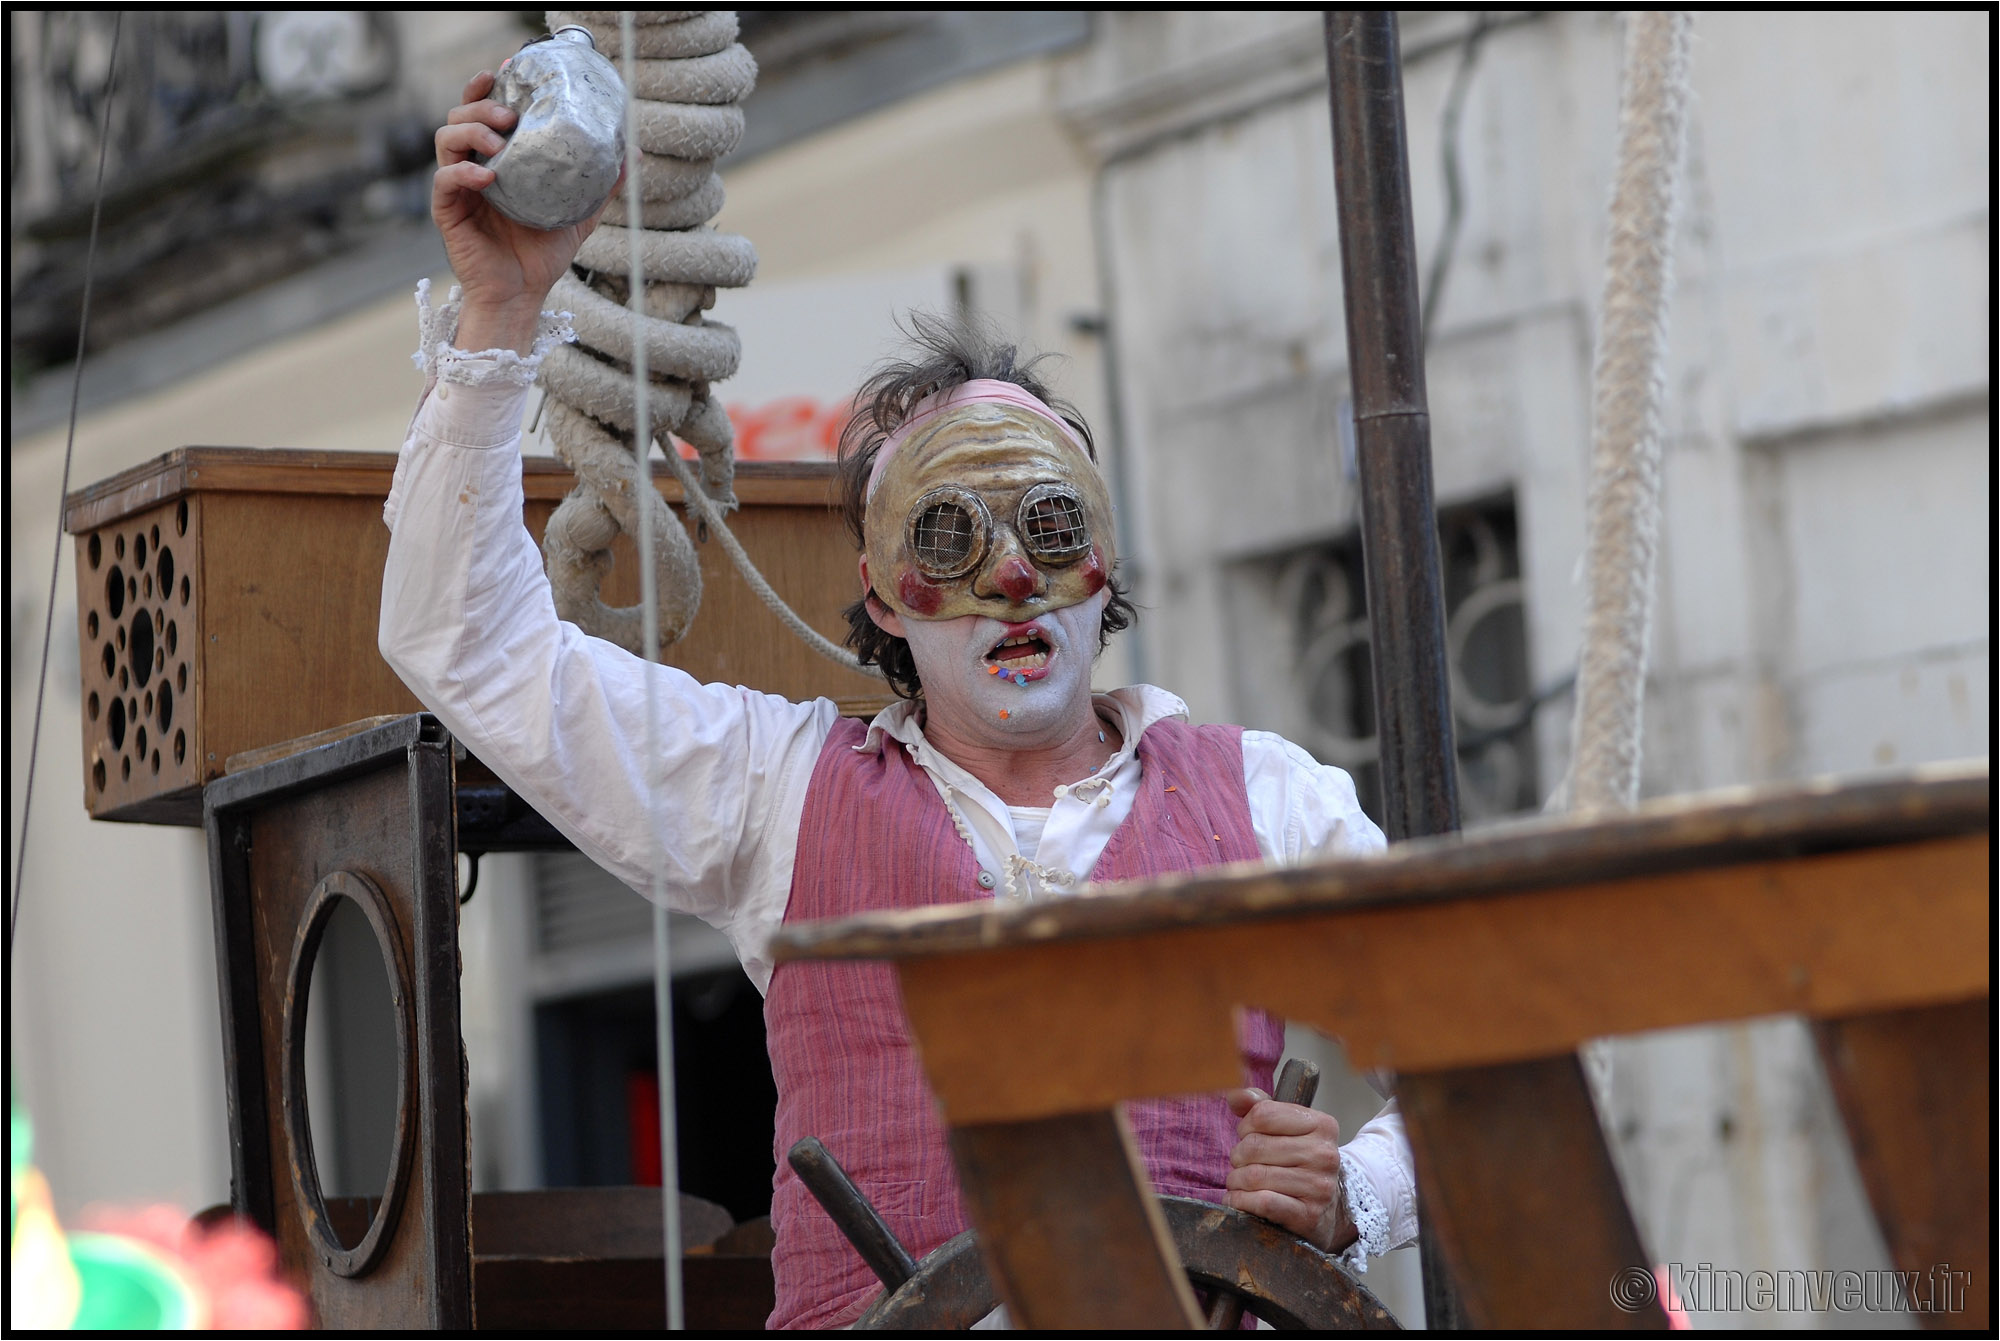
[692, 75]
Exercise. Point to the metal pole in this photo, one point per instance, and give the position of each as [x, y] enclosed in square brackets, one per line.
[1378, 262]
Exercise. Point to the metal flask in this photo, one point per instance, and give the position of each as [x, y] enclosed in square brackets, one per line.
[562, 161]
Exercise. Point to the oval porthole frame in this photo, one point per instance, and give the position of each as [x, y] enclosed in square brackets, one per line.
[313, 920]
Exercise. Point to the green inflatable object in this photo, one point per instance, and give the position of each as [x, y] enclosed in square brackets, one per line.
[128, 1288]
[124, 1285]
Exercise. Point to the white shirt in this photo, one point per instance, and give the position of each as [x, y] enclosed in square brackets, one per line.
[470, 625]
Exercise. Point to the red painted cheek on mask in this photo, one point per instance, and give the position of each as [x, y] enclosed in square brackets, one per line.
[919, 594]
[1093, 571]
[1015, 578]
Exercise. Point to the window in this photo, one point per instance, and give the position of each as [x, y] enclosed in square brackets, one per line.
[1318, 597]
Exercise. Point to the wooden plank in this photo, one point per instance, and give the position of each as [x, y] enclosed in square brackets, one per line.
[1729, 827]
[569, 1294]
[1519, 1188]
[369, 823]
[444, 1109]
[190, 470]
[292, 597]
[1430, 985]
[1915, 1090]
[245, 1087]
[238, 763]
[570, 1259]
[589, 1258]
[604, 1222]
[1071, 1232]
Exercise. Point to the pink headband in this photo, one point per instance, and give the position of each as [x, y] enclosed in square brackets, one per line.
[967, 393]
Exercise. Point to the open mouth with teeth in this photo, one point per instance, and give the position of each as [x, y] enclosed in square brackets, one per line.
[1020, 657]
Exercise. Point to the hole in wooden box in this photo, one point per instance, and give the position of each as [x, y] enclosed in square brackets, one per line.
[142, 647]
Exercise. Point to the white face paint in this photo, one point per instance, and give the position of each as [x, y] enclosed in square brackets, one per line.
[1024, 693]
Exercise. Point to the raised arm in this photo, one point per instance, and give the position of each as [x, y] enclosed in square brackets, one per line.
[470, 625]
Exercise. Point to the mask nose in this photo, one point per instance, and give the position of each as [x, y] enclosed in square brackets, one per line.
[1011, 573]
[1017, 577]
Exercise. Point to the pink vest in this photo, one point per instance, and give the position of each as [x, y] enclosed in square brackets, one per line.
[876, 835]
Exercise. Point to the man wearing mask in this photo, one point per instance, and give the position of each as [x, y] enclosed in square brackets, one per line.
[988, 581]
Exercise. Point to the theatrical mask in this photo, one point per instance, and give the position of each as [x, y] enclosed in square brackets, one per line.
[988, 509]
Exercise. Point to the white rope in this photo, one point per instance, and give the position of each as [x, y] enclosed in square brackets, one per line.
[1629, 387]
[672, 352]
[711, 517]
[683, 113]
[639, 348]
[1628, 393]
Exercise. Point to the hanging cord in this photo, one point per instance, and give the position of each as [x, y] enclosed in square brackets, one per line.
[642, 483]
[62, 496]
[1629, 391]
[1454, 185]
[711, 517]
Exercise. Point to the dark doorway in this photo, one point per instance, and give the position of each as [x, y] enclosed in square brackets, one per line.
[600, 1090]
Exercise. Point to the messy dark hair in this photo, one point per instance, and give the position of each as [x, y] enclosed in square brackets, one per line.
[944, 353]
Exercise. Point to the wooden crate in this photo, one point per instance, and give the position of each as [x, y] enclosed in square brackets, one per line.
[228, 598]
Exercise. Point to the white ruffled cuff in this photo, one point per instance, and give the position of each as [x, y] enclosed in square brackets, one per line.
[445, 362]
[1370, 1217]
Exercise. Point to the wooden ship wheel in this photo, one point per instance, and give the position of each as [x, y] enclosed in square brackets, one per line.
[1241, 1263]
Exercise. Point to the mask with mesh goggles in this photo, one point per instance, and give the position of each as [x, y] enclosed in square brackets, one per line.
[988, 508]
